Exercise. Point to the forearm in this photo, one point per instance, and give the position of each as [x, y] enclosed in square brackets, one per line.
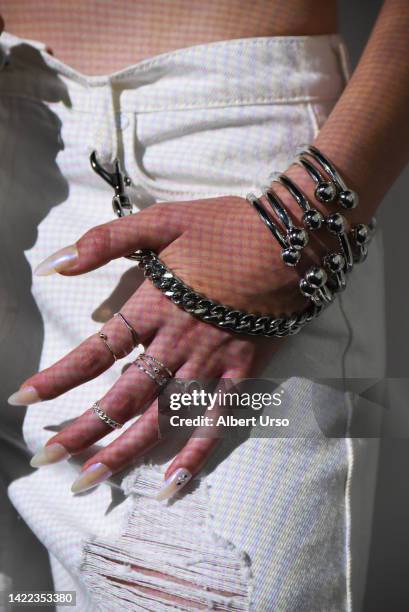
[367, 133]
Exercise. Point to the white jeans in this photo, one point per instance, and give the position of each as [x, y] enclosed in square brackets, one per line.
[270, 520]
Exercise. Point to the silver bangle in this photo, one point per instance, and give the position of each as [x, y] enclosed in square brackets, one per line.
[335, 264]
[346, 197]
[312, 218]
[336, 225]
[363, 235]
[325, 191]
[296, 238]
[254, 200]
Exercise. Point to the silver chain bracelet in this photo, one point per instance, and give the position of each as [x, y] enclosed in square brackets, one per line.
[211, 311]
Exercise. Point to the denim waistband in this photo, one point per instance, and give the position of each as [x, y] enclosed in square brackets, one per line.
[262, 70]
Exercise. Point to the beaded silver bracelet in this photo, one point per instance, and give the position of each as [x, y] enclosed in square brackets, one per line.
[313, 285]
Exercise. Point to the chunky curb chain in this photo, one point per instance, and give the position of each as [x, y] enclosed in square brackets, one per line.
[214, 312]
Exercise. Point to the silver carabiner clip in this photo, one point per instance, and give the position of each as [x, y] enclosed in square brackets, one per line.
[118, 181]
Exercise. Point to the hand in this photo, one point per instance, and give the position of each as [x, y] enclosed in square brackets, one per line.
[220, 247]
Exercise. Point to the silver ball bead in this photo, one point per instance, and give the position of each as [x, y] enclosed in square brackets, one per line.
[336, 223]
[348, 199]
[297, 238]
[291, 256]
[335, 262]
[313, 219]
[306, 289]
[326, 192]
[316, 277]
[361, 232]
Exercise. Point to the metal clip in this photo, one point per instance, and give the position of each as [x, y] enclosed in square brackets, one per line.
[118, 181]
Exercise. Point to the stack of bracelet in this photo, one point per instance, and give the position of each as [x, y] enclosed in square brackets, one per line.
[319, 284]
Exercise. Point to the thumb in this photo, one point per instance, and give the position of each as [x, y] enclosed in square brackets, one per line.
[153, 228]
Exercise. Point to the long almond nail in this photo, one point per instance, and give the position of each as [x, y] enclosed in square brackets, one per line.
[93, 475]
[174, 483]
[24, 397]
[60, 261]
[50, 453]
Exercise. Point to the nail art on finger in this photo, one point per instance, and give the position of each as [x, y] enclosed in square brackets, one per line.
[174, 483]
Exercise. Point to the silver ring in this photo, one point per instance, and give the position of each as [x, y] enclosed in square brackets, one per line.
[158, 363]
[134, 333]
[104, 417]
[154, 368]
[104, 339]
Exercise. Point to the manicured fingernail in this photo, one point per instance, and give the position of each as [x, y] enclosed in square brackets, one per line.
[50, 453]
[62, 260]
[24, 397]
[93, 475]
[174, 483]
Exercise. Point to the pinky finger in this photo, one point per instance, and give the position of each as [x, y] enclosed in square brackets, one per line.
[195, 454]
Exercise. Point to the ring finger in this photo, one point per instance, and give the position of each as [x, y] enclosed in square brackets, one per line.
[95, 354]
[139, 438]
[133, 391]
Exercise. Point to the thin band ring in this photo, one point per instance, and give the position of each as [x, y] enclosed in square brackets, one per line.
[104, 339]
[104, 417]
[134, 333]
[159, 364]
[157, 378]
[153, 368]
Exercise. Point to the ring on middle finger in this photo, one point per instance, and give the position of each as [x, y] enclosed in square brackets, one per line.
[154, 368]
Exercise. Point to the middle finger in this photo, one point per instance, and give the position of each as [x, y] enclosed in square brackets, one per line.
[133, 390]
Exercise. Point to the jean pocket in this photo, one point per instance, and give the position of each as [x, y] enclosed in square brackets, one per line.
[214, 151]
